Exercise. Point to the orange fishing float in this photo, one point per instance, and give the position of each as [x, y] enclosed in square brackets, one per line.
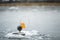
[23, 25]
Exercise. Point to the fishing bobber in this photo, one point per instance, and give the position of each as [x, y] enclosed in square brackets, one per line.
[23, 25]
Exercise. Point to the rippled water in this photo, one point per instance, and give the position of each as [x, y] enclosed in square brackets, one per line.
[36, 37]
[45, 19]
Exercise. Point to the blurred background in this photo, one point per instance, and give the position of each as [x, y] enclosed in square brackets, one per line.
[45, 19]
[29, 1]
[40, 15]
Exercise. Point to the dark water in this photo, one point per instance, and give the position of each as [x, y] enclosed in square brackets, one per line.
[45, 19]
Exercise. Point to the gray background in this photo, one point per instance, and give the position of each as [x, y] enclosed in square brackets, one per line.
[45, 19]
